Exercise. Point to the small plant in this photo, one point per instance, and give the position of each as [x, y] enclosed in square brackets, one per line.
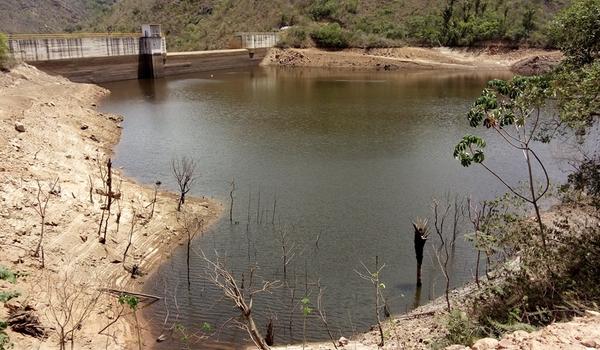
[306, 311]
[4, 339]
[133, 302]
[6, 296]
[7, 275]
[461, 330]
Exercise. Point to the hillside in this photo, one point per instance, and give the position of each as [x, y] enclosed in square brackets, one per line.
[47, 16]
[207, 24]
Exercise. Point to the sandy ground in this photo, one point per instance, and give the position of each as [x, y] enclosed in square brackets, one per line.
[390, 59]
[65, 138]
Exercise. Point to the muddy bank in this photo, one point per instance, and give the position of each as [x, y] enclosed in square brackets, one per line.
[407, 58]
[50, 129]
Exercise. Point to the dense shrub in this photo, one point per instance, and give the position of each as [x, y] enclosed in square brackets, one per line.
[538, 285]
[370, 41]
[424, 30]
[296, 37]
[4, 54]
[585, 180]
[330, 36]
[323, 9]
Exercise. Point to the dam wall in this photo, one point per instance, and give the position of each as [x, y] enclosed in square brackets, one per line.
[203, 61]
[46, 47]
[105, 57]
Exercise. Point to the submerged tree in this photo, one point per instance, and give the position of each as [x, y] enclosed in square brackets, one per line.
[241, 296]
[513, 110]
[421, 235]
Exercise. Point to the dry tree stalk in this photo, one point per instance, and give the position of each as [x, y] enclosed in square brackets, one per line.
[375, 279]
[69, 305]
[323, 314]
[242, 298]
[183, 170]
[42, 205]
[420, 238]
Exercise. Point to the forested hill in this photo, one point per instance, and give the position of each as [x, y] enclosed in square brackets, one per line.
[47, 16]
[208, 24]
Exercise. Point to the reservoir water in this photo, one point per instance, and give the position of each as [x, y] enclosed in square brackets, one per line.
[351, 158]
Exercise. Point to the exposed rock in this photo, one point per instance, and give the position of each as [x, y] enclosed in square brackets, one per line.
[485, 344]
[19, 127]
[535, 65]
[343, 341]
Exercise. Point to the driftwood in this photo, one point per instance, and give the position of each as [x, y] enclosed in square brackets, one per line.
[113, 195]
[118, 292]
[22, 319]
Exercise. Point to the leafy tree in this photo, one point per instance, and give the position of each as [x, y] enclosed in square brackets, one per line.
[512, 109]
[578, 94]
[576, 31]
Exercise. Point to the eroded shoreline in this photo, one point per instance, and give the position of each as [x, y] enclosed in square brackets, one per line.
[65, 137]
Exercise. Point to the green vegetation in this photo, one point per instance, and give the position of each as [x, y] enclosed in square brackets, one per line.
[296, 37]
[8, 295]
[330, 36]
[7, 275]
[4, 58]
[199, 24]
[559, 264]
[4, 339]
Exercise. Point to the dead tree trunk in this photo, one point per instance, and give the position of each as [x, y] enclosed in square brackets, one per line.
[420, 238]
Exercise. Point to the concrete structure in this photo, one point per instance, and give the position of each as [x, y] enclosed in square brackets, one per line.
[254, 40]
[103, 57]
[45, 47]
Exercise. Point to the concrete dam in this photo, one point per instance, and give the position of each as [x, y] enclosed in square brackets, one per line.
[104, 57]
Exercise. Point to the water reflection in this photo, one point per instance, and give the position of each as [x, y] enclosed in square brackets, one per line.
[351, 157]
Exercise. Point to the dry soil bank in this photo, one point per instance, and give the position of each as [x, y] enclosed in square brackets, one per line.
[525, 61]
[66, 138]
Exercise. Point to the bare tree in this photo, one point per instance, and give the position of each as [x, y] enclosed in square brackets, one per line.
[323, 314]
[107, 191]
[119, 208]
[441, 212]
[242, 298]
[156, 187]
[288, 251]
[134, 219]
[375, 278]
[43, 198]
[231, 200]
[420, 238]
[191, 226]
[69, 305]
[183, 170]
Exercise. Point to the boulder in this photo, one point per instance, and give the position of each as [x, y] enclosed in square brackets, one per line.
[485, 344]
[19, 127]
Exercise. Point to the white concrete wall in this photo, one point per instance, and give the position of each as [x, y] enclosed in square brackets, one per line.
[258, 40]
[47, 47]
